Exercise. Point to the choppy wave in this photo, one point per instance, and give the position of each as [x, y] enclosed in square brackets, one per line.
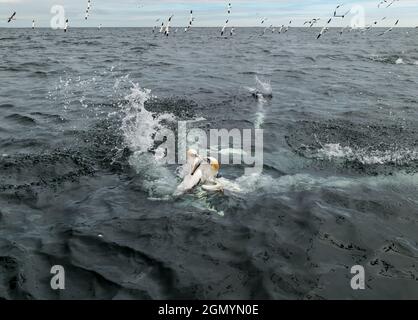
[367, 147]
[394, 59]
[140, 127]
[368, 156]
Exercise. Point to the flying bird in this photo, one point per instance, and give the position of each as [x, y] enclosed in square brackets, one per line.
[392, 2]
[287, 28]
[390, 29]
[12, 17]
[311, 22]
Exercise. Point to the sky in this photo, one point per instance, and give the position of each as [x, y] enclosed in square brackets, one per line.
[208, 13]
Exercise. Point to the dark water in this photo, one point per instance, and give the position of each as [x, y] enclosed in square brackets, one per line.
[79, 189]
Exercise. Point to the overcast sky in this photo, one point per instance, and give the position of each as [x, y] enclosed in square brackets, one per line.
[140, 13]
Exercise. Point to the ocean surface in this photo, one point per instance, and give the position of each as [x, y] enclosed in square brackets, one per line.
[81, 185]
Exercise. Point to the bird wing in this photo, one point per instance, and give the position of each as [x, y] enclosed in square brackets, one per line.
[190, 181]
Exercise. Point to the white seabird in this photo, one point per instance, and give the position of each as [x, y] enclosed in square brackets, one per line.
[190, 21]
[88, 9]
[12, 17]
[200, 170]
[340, 16]
[167, 28]
[224, 27]
[287, 28]
[390, 29]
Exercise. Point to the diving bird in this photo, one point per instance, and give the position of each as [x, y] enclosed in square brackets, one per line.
[167, 28]
[229, 8]
[12, 17]
[191, 20]
[33, 24]
[390, 29]
[224, 27]
[287, 28]
[392, 2]
[324, 29]
[66, 25]
[88, 9]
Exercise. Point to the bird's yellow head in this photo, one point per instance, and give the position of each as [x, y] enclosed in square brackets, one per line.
[214, 164]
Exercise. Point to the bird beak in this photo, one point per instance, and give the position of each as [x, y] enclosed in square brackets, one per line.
[196, 165]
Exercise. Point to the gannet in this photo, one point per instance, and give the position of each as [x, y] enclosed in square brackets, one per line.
[12, 17]
[224, 27]
[340, 16]
[392, 2]
[66, 25]
[167, 28]
[324, 29]
[199, 170]
[190, 21]
[311, 22]
[390, 29]
[287, 28]
[88, 9]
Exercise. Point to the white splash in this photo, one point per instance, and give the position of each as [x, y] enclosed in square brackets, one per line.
[139, 127]
[261, 91]
[264, 87]
[367, 156]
